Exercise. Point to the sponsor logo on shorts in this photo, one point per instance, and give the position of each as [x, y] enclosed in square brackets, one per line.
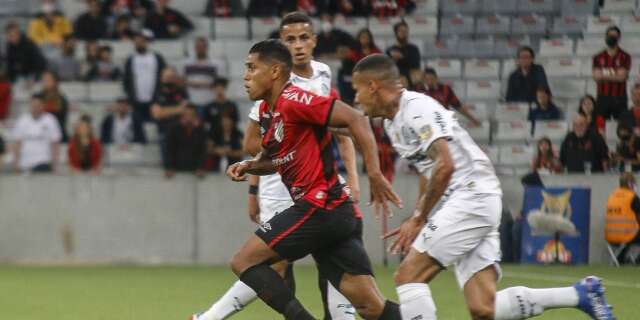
[265, 227]
[432, 226]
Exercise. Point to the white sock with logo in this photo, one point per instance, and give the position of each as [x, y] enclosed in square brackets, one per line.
[339, 307]
[416, 302]
[234, 300]
[521, 302]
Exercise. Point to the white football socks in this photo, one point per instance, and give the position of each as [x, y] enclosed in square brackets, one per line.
[339, 307]
[416, 302]
[521, 302]
[234, 300]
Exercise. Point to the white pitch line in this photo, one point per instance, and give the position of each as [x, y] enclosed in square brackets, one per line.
[567, 279]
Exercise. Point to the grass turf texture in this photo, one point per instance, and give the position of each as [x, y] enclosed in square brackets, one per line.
[158, 293]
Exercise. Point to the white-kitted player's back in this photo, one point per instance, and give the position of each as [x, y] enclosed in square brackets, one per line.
[419, 122]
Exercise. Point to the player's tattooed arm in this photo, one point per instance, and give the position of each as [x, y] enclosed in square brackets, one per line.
[441, 175]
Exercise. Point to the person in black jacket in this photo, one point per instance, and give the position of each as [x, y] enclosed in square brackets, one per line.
[91, 25]
[186, 145]
[526, 79]
[122, 126]
[166, 22]
[405, 54]
[23, 57]
[583, 148]
[142, 75]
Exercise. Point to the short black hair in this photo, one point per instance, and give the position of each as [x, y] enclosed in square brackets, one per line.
[429, 70]
[296, 17]
[528, 49]
[221, 82]
[37, 96]
[399, 24]
[273, 50]
[613, 28]
[380, 64]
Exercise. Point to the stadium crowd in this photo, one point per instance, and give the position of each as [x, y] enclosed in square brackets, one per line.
[199, 127]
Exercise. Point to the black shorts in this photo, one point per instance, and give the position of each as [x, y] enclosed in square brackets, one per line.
[611, 107]
[332, 237]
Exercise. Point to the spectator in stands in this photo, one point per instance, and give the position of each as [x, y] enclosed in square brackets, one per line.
[331, 39]
[610, 71]
[263, 8]
[587, 109]
[169, 105]
[627, 154]
[122, 127]
[391, 8]
[50, 27]
[405, 54]
[226, 143]
[142, 75]
[186, 144]
[544, 108]
[84, 151]
[104, 69]
[166, 22]
[23, 60]
[444, 94]
[5, 96]
[526, 79]
[346, 7]
[584, 150]
[136, 10]
[632, 117]
[122, 29]
[37, 135]
[200, 72]
[546, 159]
[307, 7]
[221, 105]
[365, 46]
[55, 101]
[224, 8]
[622, 218]
[91, 25]
[67, 66]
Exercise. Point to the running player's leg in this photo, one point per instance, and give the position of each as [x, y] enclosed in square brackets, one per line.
[412, 278]
[336, 306]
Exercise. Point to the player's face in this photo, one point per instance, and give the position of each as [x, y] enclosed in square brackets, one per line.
[365, 94]
[300, 40]
[257, 77]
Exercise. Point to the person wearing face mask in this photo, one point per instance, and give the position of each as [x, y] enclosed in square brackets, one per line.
[142, 75]
[622, 218]
[610, 72]
[627, 153]
[582, 146]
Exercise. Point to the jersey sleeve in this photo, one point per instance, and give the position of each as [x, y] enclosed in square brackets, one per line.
[427, 123]
[316, 112]
[254, 114]
[596, 62]
[626, 62]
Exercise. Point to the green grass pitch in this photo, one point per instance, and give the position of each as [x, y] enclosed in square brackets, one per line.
[159, 293]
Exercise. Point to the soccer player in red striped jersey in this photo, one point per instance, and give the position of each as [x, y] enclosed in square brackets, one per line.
[610, 71]
[323, 221]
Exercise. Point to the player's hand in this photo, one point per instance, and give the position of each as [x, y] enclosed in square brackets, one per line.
[254, 209]
[237, 171]
[406, 234]
[381, 194]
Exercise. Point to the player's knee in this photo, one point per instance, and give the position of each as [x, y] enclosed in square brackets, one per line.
[482, 311]
[370, 311]
[404, 274]
[238, 264]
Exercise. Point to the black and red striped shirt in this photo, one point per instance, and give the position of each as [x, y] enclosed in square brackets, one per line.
[604, 61]
[296, 138]
[441, 93]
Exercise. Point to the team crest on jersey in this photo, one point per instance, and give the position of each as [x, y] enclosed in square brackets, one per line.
[425, 132]
[409, 135]
[278, 133]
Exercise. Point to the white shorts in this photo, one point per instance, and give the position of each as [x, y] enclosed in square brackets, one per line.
[463, 232]
[270, 207]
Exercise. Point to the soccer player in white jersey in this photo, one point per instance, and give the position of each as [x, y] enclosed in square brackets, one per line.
[268, 196]
[458, 214]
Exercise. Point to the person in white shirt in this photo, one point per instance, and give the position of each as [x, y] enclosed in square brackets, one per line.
[272, 197]
[142, 75]
[200, 72]
[457, 217]
[37, 135]
[122, 127]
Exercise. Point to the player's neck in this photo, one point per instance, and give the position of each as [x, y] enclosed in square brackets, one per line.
[276, 91]
[305, 71]
[393, 104]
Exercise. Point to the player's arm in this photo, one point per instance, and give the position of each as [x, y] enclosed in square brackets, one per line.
[343, 116]
[251, 143]
[348, 155]
[160, 113]
[261, 165]
[422, 187]
[253, 204]
[441, 175]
